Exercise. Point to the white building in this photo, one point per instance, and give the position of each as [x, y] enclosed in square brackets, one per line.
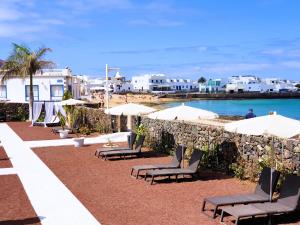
[158, 83]
[49, 85]
[117, 84]
[213, 85]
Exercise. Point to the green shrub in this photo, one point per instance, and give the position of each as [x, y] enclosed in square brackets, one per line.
[21, 114]
[85, 130]
[238, 170]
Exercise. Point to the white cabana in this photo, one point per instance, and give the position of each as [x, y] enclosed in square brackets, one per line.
[130, 109]
[273, 125]
[183, 112]
[72, 101]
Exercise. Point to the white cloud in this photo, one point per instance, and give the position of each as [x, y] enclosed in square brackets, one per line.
[234, 68]
[156, 22]
[291, 64]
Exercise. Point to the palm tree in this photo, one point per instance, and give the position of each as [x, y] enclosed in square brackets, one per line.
[201, 80]
[24, 62]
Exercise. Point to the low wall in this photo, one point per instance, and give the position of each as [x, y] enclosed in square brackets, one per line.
[14, 111]
[230, 147]
[223, 95]
[95, 119]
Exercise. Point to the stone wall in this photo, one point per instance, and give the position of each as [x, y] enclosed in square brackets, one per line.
[223, 95]
[95, 119]
[14, 111]
[230, 147]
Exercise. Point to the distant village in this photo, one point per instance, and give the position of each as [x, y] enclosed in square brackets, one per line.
[50, 85]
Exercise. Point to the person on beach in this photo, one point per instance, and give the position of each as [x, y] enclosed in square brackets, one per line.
[250, 114]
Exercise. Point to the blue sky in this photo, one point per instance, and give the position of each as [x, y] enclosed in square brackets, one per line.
[182, 38]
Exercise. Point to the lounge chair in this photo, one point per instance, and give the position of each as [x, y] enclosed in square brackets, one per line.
[287, 202]
[135, 152]
[175, 162]
[130, 140]
[261, 193]
[191, 170]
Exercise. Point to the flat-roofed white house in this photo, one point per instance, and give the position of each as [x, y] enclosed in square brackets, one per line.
[48, 85]
[213, 85]
[116, 84]
[160, 83]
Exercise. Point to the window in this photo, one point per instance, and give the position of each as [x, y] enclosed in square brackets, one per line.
[35, 92]
[3, 92]
[56, 92]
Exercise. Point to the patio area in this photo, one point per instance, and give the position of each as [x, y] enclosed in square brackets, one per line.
[108, 191]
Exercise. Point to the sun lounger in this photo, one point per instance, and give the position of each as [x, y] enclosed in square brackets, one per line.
[130, 140]
[261, 193]
[135, 152]
[287, 202]
[191, 170]
[175, 162]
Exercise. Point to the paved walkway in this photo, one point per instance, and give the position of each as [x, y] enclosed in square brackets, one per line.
[115, 137]
[7, 171]
[53, 202]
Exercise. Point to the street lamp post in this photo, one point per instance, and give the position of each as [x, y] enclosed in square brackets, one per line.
[107, 69]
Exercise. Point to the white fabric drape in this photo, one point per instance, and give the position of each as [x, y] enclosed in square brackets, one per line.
[37, 108]
[59, 108]
[49, 116]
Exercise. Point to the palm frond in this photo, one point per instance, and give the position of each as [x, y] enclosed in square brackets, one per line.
[40, 53]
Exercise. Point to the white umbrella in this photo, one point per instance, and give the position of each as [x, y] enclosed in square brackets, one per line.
[274, 125]
[183, 112]
[130, 109]
[72, 101]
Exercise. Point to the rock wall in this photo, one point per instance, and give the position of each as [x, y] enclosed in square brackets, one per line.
[14, 111]
[95, 119]
[230, 147]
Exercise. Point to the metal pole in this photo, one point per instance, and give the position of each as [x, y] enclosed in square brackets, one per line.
[272, 169]
[107, 94]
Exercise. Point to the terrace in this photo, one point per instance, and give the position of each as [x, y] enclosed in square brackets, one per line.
[68, 185]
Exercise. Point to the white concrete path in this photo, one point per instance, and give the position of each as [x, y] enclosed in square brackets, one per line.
[53, 202]
[7, 171]
[115, 137]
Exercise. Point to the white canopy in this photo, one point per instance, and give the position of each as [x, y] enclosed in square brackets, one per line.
[183, 112]
[72, 101]
[129, 109]
[275, 125]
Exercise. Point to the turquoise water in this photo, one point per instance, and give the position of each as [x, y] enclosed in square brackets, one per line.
[285, 107]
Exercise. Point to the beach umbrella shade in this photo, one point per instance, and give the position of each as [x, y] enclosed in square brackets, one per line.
[130, 109]
[274, 125]
[72, 101]
[183, 112]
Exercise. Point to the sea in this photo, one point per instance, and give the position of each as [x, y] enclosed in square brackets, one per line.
[286, 107]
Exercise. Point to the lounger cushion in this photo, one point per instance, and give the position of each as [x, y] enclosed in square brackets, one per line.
[119, 152]
[154, 166]
[170, 172]
[257, 209]
[236, 199]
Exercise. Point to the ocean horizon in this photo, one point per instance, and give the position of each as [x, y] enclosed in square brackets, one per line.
[285, 107]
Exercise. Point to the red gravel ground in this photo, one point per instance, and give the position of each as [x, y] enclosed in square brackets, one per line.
[15, 208]
[115, 198]
[4, 160]
[28, 133]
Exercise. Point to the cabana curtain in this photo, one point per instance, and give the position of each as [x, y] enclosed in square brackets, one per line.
[37, 108]
[49, 112]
